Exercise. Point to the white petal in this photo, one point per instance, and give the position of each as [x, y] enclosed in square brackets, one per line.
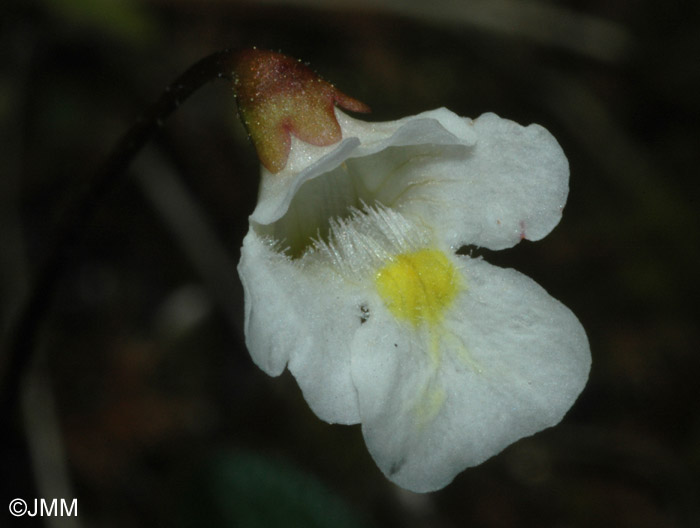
[512, 361]
[304, 318]
[511, 186]
[360, 139]
[488, 182]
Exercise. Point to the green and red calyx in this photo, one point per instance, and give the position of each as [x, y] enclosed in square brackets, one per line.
[278, 96]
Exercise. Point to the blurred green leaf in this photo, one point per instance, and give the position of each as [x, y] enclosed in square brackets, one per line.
[250, 490]
[123, 19]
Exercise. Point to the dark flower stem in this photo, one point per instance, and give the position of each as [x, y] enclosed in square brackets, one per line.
[23, 338]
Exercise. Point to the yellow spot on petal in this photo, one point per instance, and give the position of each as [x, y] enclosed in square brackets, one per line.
[419, 287]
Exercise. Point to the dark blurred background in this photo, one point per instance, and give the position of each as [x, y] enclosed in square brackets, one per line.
[139, 398]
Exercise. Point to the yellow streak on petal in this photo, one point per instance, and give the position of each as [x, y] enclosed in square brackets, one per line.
[430, 404]
[418, 288]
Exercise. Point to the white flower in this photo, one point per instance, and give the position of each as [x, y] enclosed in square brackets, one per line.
[352, 281]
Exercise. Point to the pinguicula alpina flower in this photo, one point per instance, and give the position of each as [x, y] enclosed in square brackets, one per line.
[353, 281]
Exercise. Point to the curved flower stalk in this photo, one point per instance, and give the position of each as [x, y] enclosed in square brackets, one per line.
[353, 282]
